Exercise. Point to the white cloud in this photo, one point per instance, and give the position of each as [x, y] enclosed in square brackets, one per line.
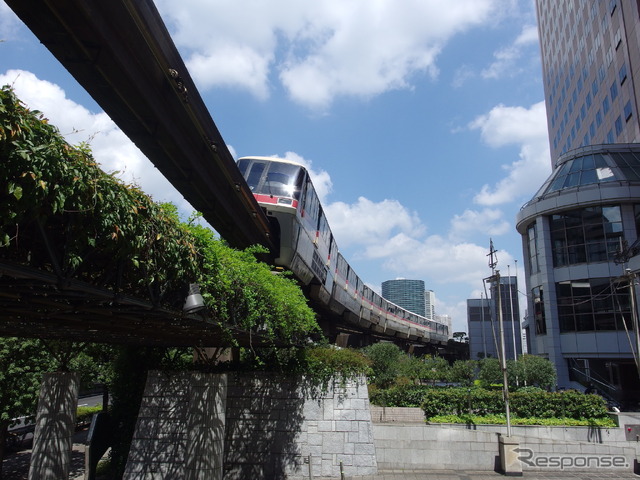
[488, 221]
[526, 128]
[371, 224]
[110, 147]
[506, 58]
[319, 50]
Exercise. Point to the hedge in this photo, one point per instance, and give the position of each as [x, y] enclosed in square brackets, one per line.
[479, 401]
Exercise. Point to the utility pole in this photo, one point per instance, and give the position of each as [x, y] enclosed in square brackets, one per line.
[495, 281]
[484, 338]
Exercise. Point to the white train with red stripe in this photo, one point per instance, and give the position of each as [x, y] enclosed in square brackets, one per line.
[307, 248]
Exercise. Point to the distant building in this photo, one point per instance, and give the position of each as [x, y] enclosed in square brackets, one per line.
[483, 327]
[430, 304]
[408, 294]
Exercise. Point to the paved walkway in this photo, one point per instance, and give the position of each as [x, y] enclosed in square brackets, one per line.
[484, 475]
[16, 467]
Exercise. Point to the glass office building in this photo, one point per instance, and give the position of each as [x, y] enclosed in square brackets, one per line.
[573, 231]
[408, 294]
[579, 313]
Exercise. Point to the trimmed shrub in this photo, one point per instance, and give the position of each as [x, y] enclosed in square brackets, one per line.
[538, 404]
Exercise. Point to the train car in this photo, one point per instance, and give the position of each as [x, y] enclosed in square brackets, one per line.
[307, 247]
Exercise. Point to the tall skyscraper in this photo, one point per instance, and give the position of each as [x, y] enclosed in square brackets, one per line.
[590, 65]
[579, 306]
[430, 304]
[408, 294]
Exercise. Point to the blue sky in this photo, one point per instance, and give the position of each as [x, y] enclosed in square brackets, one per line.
[422, 121]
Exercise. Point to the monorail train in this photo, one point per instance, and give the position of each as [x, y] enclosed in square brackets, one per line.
[307, 247]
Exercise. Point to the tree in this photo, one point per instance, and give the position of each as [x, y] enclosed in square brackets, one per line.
[461, 337]
[436, 369]
[463, 372]
[413, 368]
[385, 357]
[22, 364]
[536, 371]
[490, 372]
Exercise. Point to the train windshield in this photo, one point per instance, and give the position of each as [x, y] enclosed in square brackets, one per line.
[272, 178]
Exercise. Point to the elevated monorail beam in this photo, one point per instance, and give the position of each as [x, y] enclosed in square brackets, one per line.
[121, 52]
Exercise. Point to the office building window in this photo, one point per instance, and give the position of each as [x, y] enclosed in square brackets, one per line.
[585, 235]
[628, 111]
[618, 125]
[538, 311]
[598, 118]
[622, 74]
[613, 90]
[532, 237]
[592, 304]
[610, 138]
[606, 105]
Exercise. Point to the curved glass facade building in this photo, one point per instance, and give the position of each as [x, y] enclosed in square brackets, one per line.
[573, 231]
[408, 294]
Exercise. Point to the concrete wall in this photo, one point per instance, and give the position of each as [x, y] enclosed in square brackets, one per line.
[404, 441]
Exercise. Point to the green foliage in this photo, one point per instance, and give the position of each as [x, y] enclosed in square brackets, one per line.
[399, 396]
[384, 357]
[529, 370]
[414, 369]
[436, 369]
[490, 372]
[22, 364]
[325, 363]
[84, 414]
[535, 371]
[540, 404]
[502, 420]
[463, 372]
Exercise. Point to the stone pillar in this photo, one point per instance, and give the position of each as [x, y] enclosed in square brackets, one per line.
[205, 426]
[509, 462]
[55, 426]
[180, 429]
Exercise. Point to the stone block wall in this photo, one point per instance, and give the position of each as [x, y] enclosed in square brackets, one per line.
[180, 428]
[250, 426]
[281, 428]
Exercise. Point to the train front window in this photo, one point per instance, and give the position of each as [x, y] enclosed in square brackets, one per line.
[281, 180]
[255, 174]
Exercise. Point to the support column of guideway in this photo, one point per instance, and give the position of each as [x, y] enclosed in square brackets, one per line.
[55, 426]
